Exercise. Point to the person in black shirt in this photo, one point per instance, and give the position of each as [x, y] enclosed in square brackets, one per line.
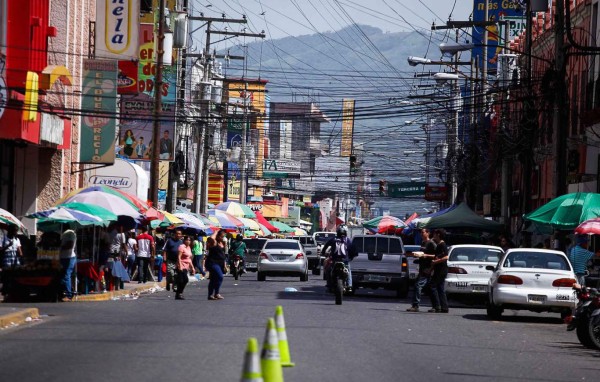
[439, 300]
[215, 264]
[171, 255]
[425, 256]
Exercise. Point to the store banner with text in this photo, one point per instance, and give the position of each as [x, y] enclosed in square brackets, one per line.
[116, 33]
[99, 108]
[347, 127]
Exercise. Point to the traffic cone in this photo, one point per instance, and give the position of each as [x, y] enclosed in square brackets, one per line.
[270, 362]
[251, 371]
[284, 350]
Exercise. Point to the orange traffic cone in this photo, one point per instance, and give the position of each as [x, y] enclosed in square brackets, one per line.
[270, 362]
[284, 350]
[251, 371]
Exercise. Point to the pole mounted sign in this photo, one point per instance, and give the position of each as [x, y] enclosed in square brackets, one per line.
[400, 190]
[117, 24]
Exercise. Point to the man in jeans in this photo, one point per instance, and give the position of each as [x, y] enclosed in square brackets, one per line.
[146, 250]
[170, 255]
[426, 256]
[68, 258]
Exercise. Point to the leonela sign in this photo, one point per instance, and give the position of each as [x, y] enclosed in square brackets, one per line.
[123, 175]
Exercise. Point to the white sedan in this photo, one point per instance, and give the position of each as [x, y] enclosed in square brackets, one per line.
[539, 280]
[467, 273]
[282, 257]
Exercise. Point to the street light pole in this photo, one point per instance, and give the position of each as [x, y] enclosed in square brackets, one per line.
[158, 82]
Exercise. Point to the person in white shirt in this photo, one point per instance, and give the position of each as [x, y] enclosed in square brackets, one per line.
[132, 249]
[68, 258]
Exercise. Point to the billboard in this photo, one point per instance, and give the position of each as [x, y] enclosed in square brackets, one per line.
[99, 108]
[511, 11]
[3, 88]
[347, 127]
[117, 28]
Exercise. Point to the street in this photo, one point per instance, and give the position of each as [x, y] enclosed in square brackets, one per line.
[370, 337]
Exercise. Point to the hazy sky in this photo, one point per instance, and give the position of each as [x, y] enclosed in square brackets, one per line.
[283, 18]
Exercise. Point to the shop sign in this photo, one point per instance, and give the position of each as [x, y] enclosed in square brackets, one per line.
[117, 28]
[99, 101]
[3, 88]
[436, 193]
[400, 190]
[52, 129]
[127, 82]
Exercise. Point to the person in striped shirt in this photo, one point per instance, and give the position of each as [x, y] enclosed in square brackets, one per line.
[579, 257]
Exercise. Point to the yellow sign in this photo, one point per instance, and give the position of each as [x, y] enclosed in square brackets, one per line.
[30, 105]
[163, 178]
[347, 127]
[233, 190]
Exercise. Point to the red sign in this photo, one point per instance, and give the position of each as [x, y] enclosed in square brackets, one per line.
[436, 193]
[127, 81]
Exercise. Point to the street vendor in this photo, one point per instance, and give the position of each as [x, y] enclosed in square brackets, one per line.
[11, 249]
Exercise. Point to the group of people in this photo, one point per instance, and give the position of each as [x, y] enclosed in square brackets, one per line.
[433, 270]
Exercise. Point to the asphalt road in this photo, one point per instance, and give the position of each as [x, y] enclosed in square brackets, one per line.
[369, 338]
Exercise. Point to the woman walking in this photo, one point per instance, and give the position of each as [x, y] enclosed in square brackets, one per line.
[184, 263]
[215, 263]
[439, 301]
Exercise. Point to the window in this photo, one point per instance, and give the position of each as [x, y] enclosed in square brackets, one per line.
[544, 260]
[475, 254]
[395, 246]
[358, 243]
[370, 244]
[254, 243]
[282, 245]
[383, 245]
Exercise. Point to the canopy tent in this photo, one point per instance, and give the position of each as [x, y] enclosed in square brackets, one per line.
[461, 217]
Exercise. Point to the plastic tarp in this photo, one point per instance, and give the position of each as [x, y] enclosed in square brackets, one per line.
[460, 217]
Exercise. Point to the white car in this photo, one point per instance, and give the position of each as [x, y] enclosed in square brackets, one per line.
[413, 264]
[539, 280]
[282, 257]
[467, 273]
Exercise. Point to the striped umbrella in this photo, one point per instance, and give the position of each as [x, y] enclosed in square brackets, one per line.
[236, 209]
[382, 224]
[193, 222]
[70, 217]
[264, 231]
[169, 220]
[226, 221]
[283, 228]
[250, 224]
[116, 204]
[105, 189]
[8, 219]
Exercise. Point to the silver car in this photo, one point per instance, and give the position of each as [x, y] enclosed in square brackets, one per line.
[282, 257]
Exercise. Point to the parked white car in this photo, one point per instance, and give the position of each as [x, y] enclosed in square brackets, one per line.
[467, 273]
[539, 280]
[282, 257]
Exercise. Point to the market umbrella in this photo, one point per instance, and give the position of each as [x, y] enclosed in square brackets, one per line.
[264, 231]
[299, 231]
[169, 220]
[130, 199]
[591, 226]
[282, 227]
[226, 221]
[8, 219]
[116, 204]
[383, 224]
[193, 222]
[56, 217]
[566, 212]
[261, 219]
[91, 209]
[236, 209]
[249, 224]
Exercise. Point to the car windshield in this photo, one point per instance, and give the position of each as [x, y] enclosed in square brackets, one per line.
[489, 255]
[544, 260]
[255, 243]
[282, 245]
[322, 238]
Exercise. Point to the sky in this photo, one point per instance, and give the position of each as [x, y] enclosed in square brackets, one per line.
[284, 18]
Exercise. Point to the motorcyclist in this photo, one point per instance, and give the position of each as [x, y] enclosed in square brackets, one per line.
[340, 247]
[238, 247]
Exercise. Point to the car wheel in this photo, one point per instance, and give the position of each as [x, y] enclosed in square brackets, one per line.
[260, 276]
[494, 312]
[304, 276]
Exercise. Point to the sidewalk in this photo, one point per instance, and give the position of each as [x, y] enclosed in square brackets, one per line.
[132, 288]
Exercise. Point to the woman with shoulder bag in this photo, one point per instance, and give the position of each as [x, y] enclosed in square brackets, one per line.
[215, 263]
[184, 263]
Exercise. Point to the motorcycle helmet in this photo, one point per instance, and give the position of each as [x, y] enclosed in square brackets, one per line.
[342, 231]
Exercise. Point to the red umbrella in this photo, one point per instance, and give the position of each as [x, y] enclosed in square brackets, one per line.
[261, 219]
[591, 226]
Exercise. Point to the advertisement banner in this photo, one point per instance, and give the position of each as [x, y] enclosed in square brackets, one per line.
[127, 82]
[147, 68]
[117, 29]
[3, 89]
[347, 127]
[99, 106]
[512, 11]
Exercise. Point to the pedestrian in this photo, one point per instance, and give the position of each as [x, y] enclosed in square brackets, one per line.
[579, 257]
[198, 252]
[184, 264]
[238, 248]
[425, 256]
[11, 251]
[170, 255]
[146, 251]
[68, 257]
[505, 243]
[132, 249]
[215, 264]
[439, 301]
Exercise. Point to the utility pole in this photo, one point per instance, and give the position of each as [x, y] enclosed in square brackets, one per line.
[242, 162]
[560, 120]
[158, 82]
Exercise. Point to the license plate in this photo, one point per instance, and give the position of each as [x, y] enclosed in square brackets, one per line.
[251, 265]
[460, 284]
[536, 299]
[377, 278]
[563, 297]
[479, 288]
[281, 257]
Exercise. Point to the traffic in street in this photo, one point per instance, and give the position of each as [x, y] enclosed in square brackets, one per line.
[369, 337]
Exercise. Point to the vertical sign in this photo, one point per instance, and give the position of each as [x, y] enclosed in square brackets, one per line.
[117, 28]
[99, 104]
[347, 127]
[3, 89]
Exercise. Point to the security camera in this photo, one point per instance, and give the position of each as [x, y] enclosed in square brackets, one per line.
[414, 61]
[451, 48]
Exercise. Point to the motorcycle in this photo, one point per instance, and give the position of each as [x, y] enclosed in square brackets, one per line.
[236, 266]
[586, 321]
[339, 280]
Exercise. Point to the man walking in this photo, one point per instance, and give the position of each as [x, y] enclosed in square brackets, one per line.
[146, 250]
[68, 258]
[171, 256]
[425, 256]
